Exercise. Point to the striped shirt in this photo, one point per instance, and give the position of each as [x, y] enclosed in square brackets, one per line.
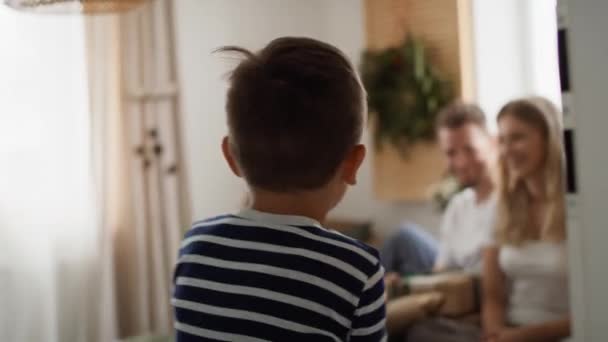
[263, 277]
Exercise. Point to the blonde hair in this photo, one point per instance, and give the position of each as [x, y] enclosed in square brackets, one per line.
[513, 217]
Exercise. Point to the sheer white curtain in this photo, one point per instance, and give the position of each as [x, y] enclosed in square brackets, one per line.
[134, 105]
[89, 229]
[51, 246]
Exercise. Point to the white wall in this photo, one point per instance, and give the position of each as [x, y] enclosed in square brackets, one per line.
[203, 25]
[540, 39]
[515, 51]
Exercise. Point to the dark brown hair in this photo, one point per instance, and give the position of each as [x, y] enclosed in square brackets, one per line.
[295, 110]
[458, 114]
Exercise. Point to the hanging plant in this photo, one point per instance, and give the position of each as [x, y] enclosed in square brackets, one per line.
[405, 92]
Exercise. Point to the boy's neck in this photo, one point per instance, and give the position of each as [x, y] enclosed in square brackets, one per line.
[311, 204]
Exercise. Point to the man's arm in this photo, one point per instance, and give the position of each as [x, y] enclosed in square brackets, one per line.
[444, 259]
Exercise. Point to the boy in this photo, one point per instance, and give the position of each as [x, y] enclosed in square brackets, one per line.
[273, 273]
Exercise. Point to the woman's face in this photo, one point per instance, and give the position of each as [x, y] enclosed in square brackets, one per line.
[522, 146]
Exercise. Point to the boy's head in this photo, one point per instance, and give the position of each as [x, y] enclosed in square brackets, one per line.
[295, 117]
[466, 143]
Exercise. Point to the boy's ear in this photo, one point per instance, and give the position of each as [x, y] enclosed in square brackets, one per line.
[352, 163]
[227, 151]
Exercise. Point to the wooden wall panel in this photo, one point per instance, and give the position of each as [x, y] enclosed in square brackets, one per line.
[445, 27]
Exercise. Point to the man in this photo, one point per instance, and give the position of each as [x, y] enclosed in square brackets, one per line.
[467, 224]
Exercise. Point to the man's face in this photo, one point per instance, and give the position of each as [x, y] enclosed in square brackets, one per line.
[469, 152]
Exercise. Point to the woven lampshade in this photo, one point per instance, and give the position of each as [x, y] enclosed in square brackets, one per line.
[74, 6]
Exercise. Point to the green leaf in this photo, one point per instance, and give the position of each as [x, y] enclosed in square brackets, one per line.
[427, 84]
[432, 104]
[419, 63]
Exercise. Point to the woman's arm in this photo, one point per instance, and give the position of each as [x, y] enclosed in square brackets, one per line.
[493, 292]
[549, 332]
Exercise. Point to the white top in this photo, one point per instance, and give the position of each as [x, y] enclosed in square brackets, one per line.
[467, 228]
[537, 275]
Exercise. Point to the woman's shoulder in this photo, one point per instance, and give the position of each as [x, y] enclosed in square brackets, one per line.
[534, 247]
[538, 253]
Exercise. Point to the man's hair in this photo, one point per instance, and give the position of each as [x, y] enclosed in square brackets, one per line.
[458, 114]
[295, 110]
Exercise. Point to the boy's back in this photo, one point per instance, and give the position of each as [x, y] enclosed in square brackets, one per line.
[257, 276]
[296, 111]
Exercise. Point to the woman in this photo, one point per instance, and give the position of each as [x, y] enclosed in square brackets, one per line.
[525, 285]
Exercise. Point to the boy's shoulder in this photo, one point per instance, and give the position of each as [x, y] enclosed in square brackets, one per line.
[297, 235]
[207, 225]
[354, 242]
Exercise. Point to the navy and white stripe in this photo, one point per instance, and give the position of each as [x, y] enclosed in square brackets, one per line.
[262, 277]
